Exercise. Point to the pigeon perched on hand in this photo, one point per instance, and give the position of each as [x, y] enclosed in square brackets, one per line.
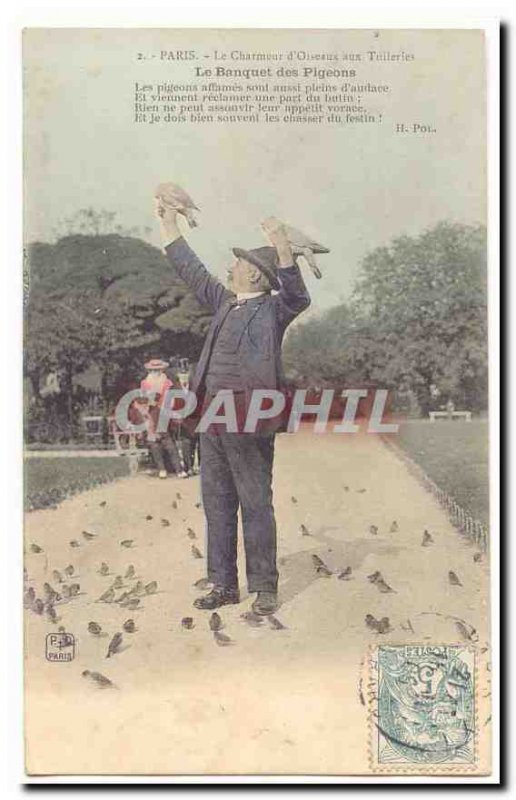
[173, 196]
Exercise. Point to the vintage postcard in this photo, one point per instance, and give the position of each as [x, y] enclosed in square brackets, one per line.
[257, 529]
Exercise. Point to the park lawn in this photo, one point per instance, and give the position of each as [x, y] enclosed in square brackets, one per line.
[48, 481]
[455, 455]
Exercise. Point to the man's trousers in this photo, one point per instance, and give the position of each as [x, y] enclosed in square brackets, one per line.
[236, 470]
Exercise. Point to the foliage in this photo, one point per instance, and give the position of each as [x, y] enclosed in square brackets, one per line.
[416, 323]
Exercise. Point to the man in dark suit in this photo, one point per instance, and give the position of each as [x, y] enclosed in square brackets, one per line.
[242, 352]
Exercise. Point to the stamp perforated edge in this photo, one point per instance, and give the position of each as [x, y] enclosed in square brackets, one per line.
[372, 716]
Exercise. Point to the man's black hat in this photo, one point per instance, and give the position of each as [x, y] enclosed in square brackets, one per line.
[265, 258]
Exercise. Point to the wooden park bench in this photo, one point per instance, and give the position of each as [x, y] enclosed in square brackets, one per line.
[465, 415]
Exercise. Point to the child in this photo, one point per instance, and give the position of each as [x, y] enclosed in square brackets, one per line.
[159, 443]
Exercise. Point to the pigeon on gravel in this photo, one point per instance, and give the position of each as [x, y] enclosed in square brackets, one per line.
[97, 678]
[454, 579]
[165, 522]
[178, 496]
[187, 623]
[130, 572]
[103, 503]
[107, 597]
[114, 645]
[191, 533]
[345, 575]
[118, 582]
[151, 588]
[88, 536]
[131, 603]
[383, 586]
[149, 517]
[477, 557]
[324, 572]
[469, 634]
[222, 639]
[373, 529]
[94, 628]
[69, 570]
[394, 527]
[196, 552]
[374, 576]
[174, 504]
[126, 542]
[38, 606]
[304, 531]
[35, 548]
[275, 624]
[294, 499]
[361, 491]
[215, 622]
[29, 597]
[74, 543]
[378, 625]
[104, 569]
[56, 576]
[129, 626]
[427, 539]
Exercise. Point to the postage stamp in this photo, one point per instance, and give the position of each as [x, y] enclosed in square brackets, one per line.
[423, 708]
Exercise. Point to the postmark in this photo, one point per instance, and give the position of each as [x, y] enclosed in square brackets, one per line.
[422, 701]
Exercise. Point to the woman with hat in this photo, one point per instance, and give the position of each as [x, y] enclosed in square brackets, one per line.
[157, 385]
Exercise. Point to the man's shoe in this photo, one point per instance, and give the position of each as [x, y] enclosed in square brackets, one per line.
[219, 596]
[266, 603]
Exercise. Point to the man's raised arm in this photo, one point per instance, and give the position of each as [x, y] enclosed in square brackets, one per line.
[293, 296]
[208, 290]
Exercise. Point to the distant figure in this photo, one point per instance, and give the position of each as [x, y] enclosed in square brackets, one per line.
[159, 443]
[450, 408]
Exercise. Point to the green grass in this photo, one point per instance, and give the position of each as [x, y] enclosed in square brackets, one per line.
[456, 456]
[48, 481]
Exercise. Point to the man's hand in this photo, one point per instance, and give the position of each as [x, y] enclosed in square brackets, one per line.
[167, 221]
[276, 233]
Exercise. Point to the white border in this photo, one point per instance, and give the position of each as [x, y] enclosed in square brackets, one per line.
[265, 13]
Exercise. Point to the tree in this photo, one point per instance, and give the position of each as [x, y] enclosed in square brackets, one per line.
[107, 300]
[417, 321]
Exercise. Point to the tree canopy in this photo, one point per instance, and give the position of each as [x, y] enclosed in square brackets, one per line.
[416, 322]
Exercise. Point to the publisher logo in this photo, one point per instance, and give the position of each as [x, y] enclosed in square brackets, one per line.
[60, 647]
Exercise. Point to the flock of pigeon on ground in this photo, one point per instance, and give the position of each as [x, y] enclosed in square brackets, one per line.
[127, 591]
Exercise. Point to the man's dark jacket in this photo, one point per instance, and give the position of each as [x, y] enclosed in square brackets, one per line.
[259, 348]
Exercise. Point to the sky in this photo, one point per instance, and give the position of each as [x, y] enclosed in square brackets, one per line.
[351, 187]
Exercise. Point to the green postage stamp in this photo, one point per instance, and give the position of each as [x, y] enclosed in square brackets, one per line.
[423, 707]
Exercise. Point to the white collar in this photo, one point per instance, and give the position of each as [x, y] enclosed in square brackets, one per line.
[248, 295]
